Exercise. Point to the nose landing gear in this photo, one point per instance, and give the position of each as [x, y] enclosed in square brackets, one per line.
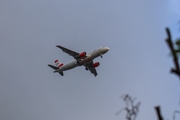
[101, 55]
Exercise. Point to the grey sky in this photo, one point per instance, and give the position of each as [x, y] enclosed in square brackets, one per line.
[137, 63]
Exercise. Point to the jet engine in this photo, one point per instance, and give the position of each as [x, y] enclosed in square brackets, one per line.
[96, 64]
[82, 54]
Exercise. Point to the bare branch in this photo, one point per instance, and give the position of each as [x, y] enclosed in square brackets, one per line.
[158, 112]
[174, 114]
[131, 109]
[169, 42]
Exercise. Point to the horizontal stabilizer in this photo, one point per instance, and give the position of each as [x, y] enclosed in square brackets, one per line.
[55, 68]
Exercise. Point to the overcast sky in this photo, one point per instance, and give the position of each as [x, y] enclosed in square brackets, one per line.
[138, 62]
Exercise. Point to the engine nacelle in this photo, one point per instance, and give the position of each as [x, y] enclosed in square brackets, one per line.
[96, 64]
[82, 54]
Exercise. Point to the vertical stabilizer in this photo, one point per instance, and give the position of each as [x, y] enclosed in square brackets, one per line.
[58, 63]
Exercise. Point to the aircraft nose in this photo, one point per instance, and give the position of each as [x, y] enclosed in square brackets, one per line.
[107, 49]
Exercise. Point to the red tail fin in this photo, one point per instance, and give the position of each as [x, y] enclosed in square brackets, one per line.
[58, 63]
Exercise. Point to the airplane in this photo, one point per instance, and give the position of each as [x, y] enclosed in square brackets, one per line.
[80, 59]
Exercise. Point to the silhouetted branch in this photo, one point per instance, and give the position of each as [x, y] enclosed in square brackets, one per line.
[158, 112]
[168, 33]
[174, 115]
[169, 42]
[132, 110]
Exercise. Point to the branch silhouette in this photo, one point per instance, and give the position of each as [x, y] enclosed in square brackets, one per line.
[169, 42]
[158, 112]
[174, 114]
[131, 109]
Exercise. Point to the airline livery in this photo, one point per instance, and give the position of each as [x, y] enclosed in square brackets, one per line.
[80, 59]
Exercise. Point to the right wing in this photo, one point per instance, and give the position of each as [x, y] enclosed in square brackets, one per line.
[90, 67]
[55, 68]
[70, 52]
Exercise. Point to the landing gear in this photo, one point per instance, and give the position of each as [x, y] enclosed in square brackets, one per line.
[86, 68]
[101, 55]
[78, 61]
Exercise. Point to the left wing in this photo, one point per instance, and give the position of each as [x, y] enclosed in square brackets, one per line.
[70, 52]
[90, 67]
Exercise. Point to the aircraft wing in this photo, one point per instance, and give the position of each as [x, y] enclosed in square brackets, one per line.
[70, 52]
[55, 68]
[91, 68]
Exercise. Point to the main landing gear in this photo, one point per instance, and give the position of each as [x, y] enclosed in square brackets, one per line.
[101, 55]
[79, 62]
[86, 68]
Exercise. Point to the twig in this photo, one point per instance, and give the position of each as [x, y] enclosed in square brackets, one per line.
[131, 109]
[158, 112]
[174, 114]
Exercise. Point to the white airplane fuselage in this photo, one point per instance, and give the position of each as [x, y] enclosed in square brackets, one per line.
[89, 57]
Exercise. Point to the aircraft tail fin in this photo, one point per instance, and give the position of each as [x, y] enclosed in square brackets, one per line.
[58, 63]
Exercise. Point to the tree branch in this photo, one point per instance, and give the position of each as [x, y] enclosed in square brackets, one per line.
[169, 42]
[158, 112]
